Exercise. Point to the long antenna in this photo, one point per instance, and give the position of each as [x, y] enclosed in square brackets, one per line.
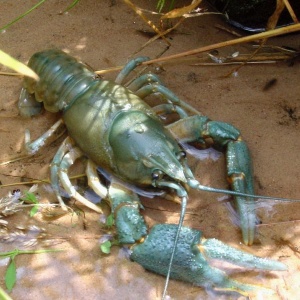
[193, 183]
[182, 213]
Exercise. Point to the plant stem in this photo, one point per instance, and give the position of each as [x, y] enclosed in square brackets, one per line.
[245, 39]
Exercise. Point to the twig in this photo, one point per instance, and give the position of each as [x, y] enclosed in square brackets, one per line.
[38, 181]
[139, 12]
[11, 74]
[291, 11]
[277, 223]
[246, 39]
[159, 35]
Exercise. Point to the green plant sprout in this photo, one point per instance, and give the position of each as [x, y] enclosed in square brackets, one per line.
[106, 245]
[31, 198]
[109, 221]
[11, 271]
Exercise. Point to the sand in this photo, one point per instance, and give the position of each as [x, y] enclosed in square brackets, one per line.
[107, 34]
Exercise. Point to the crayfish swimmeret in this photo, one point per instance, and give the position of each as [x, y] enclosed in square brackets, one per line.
[120, 133]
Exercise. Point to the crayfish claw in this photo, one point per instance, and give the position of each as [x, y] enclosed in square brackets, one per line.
[190, 260]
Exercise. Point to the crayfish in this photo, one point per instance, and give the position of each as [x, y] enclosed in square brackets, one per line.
[119, 133]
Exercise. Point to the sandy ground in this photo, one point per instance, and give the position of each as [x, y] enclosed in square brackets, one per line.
[106, 34]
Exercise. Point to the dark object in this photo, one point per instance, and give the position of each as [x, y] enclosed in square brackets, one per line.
[253, 15]
[270, 84]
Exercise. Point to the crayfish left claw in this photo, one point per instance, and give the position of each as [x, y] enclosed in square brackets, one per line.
[190, 263]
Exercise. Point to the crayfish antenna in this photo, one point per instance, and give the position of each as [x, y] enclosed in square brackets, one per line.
[193, 183]
[182, 213]
[181, 193]
[244, 203]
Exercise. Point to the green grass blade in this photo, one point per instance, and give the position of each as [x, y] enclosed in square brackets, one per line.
[8, 254]
[160, 4]
[71, 6]
[23, 15]
[15, 252]
[39, 251]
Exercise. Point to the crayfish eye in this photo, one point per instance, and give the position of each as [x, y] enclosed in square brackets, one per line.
[156, 175]
[181, 155]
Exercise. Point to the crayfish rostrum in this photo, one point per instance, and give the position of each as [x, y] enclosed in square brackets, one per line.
[121, 134]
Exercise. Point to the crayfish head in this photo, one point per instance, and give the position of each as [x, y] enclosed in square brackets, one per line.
[142, 147]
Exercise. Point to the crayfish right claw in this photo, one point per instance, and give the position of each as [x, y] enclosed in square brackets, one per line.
[190, 260]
